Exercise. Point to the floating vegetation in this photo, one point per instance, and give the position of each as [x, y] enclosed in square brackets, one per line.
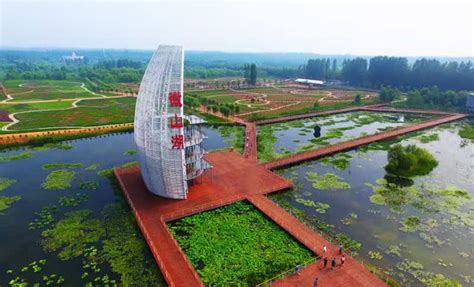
[72, 234]
[73, 200]
[427, 200]
[430, 279]
[92, 185]
[6, 182]
[409, 161]
[428, 138]
[237, 245]
[48, 146]
[92, 167]
[373, 254]
[33, 269]
[350, 219]
[320, 207]
[394, 250]
[233, 135]
[6, 201]
[130, 152]
[110, 172]
[122, 246]
[466, 132]
[43, 218]
[265, 142]
[61, 165]
[326, 181]
[410, 224]
[58, 179]
[341, 160]
[20, 156]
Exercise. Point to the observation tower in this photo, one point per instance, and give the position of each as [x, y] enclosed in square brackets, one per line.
[169, 144]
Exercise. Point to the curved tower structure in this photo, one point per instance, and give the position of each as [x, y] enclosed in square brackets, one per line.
[169, 146]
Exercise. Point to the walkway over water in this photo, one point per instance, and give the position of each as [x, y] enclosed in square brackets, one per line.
[348, 145]
[234, 178]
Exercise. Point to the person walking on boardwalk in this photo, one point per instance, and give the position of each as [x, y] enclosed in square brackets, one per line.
[333, 263]
[343, 259]
[315, 283]
[341, 248]
[298, 269]
[325, 260]
[325, 249]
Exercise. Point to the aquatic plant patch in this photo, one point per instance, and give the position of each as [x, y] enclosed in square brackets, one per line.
[20, 156]
[89, 185]
[58, 179]
[72, 234]
[326, 181]
[6, 201]
[6, 182]
[237, 245]
[61, 165]
[467, 132]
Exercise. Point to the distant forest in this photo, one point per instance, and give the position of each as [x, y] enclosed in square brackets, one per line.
[129, 65]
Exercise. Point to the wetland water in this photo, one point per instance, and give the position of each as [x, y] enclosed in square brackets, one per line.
[421, 232]
[99, 235]
[277, 140]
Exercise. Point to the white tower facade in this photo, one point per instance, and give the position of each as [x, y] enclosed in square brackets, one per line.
[170, 153]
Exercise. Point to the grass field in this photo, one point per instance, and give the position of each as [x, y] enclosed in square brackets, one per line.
[21, 90]
[88, 113]
[14, 108]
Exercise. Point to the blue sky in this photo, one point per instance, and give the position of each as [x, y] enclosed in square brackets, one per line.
[408, 28]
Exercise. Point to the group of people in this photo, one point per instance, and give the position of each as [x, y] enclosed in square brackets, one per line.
[325, 262]
[334, 260]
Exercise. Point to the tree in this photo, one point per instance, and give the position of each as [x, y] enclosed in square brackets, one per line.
[409, 161]
[253, 74]
[388, 94]
[355, 71]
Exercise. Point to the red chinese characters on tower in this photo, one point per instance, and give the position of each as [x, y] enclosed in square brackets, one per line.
[176, 122]
[175, 99]
[177, 142]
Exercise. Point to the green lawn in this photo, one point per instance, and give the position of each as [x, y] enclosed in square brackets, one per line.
[45, 90]
[237, 245]
[14, 108]
[88, 113]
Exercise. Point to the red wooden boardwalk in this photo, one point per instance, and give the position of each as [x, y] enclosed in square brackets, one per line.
[234, 178]
[351, 144]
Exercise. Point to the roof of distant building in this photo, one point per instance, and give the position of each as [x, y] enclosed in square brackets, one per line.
[311, 82]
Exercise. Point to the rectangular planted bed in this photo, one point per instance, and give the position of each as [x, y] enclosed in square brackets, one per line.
[237, 245]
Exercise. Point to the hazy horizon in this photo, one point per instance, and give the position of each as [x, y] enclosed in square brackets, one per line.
[363, 29]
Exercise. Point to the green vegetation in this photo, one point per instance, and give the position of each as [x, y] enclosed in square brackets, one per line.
[73, 200]
[5, 183]
[430, 279]
[124, 248]
[410, 224]
[88, 113]
[130, 152]
[326, 181]
[234, 135]
[58, 179]
[20, 156]
[429, 138]
[71, 234]
[467, 132]
[428, 200]
[61, 165]
[373, 254]
[6, 201]
[319, 207]
[409, 161]
[283, 199]
[88, 184]
[237, 245]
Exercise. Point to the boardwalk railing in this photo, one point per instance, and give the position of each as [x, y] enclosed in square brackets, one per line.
[287, 273]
